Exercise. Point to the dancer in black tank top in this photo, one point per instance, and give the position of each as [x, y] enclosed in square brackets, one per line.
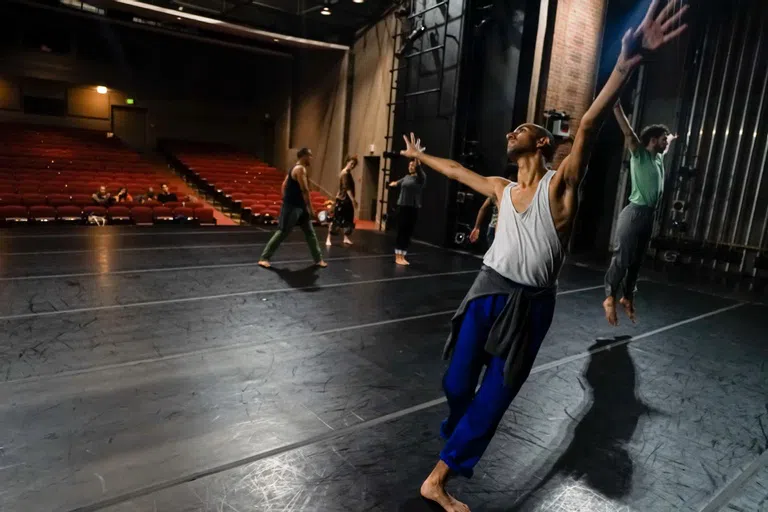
[296, 211]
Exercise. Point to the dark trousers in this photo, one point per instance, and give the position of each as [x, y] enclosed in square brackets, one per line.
[474, 417]
[633, 233]
[407, 216]
[290, 217]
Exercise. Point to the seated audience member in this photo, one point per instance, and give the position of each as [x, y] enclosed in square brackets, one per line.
[148, 197]
[123, 196]
[102, 197]
[165, 195]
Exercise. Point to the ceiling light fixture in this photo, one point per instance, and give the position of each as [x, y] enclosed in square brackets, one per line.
[326, 11]
[101, 89]
[358, 1]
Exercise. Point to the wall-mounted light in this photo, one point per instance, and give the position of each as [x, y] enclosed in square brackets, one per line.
[101, 89]
[326, 11]
[358, 1]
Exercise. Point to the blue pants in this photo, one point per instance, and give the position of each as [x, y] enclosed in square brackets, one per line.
[474, 417]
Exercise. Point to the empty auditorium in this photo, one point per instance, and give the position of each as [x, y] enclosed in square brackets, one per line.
[553, 214]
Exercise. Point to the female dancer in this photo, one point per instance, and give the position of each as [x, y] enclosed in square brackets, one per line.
[409, 203]
[346, 204]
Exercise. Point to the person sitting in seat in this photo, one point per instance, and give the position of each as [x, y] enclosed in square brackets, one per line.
[165, 195]
[123, 196]
[102, 197]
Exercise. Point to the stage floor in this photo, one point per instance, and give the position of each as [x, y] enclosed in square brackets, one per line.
[162, 370]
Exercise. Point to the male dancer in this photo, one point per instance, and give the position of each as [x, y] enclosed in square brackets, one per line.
[507, 312]
[296, 210]
[635, 226]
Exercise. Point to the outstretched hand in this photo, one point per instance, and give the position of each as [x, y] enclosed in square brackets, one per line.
[653, 33]
[412, 147]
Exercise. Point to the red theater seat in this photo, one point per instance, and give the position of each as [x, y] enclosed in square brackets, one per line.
[99, 211]
[205, 216]
[118, 214]
[13, 213]
[82, 199]
[69, 213]
[10, 199]
[142, 215]
[32, 199]
[58, 200]
[162, 213]
[183, 211]
[42, 213]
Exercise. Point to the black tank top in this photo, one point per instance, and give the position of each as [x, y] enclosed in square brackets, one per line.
[293, 196]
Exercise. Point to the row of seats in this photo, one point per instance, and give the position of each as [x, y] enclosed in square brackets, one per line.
[77, 199]
[49, 174]
[138, 214]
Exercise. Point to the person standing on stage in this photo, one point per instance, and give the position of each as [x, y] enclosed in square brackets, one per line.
[635, 226]
[506, 314]
[408, 204]
[296, 211]
[345, 205]
[474, 235]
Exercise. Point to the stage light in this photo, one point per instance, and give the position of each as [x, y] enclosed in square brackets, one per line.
[326, 11]
[101, 89]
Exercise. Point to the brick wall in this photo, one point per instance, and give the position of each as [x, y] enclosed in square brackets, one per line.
[574, 59]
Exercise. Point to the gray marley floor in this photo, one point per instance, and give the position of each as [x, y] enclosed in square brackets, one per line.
[161, 369]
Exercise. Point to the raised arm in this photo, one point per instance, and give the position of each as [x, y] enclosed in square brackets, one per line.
[488, 186]
[630, 137]
[652, 34]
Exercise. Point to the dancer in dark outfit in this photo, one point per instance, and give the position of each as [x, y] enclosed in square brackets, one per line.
[635, 227]
[345, 205]
[296, 211]
[409, 204]
[502, 321]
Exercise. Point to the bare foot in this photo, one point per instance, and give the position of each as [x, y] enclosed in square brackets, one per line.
[404, 261]
[400, 260]
[328, 242]
[321, 264]
[629, 309]
[347, 241]
[609, 305]
[265, 264]
[435, 491]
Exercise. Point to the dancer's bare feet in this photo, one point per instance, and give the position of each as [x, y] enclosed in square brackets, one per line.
[629, 308]
[347, 241]
[321, 264]
[400, 260]
[433, 489]
[328, 242]
[265, 263]
[609, 305]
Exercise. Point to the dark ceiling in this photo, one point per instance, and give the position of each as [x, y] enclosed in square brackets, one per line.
[302, 18]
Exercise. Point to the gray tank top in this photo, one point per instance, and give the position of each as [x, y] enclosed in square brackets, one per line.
[527, 248]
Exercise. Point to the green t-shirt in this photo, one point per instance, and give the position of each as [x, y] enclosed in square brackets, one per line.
[647, 174]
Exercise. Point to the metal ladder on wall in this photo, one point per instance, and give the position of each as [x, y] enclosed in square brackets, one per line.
[398, 41]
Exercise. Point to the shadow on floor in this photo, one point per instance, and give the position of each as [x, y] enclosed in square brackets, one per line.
[596, 455]
[304, 278]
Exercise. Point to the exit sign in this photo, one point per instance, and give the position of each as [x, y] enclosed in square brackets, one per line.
[129, 101]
